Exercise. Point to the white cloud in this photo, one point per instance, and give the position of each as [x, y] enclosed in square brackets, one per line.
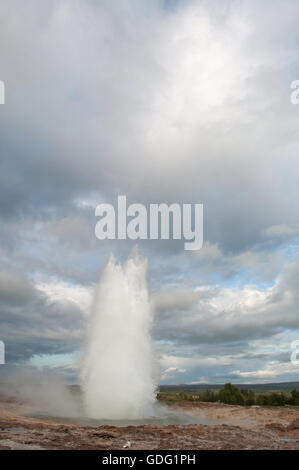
[58, 291]
[259, 374]
[271, 371]
[225, 314]
[280, 231]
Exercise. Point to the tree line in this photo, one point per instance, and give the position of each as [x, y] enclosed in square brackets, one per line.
[232, 395]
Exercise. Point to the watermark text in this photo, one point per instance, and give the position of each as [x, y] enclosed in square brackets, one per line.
[2, 92]
[295, 353]
[159, 221]
[2, 352]
[294, 97]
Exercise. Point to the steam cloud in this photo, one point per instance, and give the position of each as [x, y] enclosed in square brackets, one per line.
[42, 392]
[119, 376]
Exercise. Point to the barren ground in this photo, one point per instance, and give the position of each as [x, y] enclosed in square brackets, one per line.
[229, 427]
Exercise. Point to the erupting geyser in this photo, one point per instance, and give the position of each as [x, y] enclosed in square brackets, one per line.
[118, 371]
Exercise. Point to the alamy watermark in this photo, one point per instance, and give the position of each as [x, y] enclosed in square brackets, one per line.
[158, 221]
[294, 97]
[2, 92]
[2, 353]
[295, 353]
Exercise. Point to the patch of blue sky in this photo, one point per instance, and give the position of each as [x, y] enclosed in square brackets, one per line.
[170, 5]
[55, 360]
[291, 251]
[163, 342]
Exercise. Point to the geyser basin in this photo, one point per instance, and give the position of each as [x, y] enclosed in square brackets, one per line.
[118, 376]
[164, 418]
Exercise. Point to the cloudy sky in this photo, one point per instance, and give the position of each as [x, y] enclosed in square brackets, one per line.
[163, 101]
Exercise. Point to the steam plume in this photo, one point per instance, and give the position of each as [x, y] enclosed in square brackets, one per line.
[118, 367]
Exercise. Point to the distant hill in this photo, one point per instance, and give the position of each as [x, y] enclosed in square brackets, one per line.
[286, 386]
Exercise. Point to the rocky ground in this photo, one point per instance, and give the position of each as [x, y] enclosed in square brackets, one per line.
[229, 427]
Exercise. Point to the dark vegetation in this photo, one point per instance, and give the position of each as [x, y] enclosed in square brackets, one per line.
[233, 395]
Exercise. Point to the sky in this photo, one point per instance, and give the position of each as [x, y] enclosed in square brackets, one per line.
[161, 101]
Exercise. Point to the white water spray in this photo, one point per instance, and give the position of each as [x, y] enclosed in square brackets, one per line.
[118, 373]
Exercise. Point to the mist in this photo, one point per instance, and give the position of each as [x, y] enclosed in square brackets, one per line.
[42, 392]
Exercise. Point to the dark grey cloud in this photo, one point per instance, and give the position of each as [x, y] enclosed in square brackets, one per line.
[180, 102]
[31, 323]
[132, 111]
[227, 315]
